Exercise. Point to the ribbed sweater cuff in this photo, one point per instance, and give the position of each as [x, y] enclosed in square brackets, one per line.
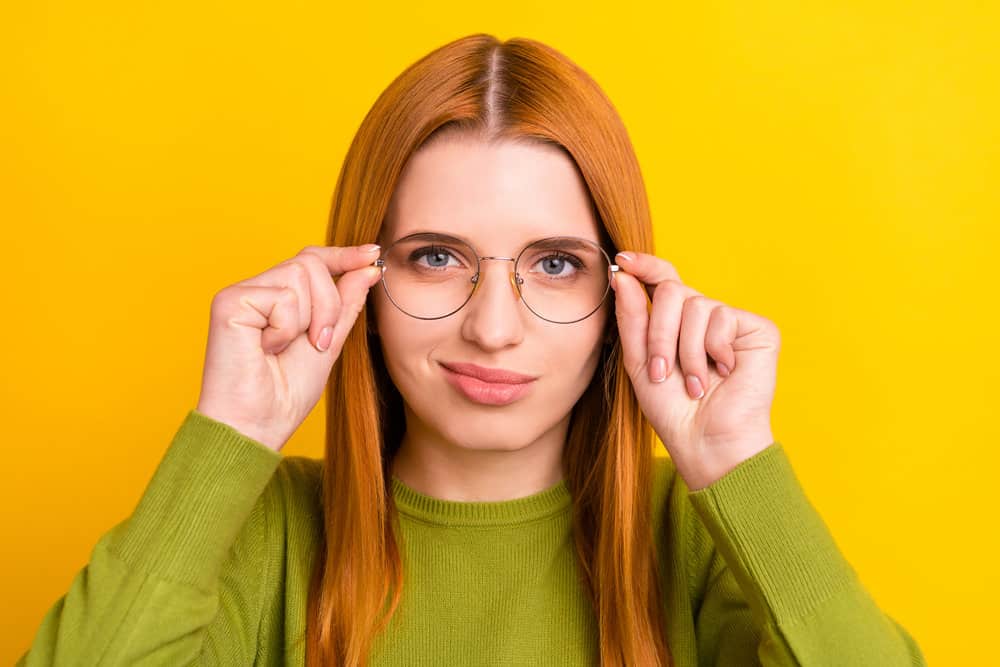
[778, 547]
[193, 508]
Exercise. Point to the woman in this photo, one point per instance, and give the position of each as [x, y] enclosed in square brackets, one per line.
[489, 493]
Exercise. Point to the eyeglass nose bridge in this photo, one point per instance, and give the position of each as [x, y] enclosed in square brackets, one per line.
[515, 280]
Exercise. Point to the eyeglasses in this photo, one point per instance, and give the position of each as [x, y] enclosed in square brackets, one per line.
[561, 279]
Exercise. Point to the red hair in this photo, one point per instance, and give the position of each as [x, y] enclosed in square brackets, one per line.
[520, 90]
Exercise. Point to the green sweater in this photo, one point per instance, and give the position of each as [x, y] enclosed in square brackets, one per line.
[213, 566]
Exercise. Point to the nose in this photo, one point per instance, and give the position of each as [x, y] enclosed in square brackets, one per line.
[493, 316]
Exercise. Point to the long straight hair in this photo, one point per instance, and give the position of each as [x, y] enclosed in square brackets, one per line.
[513, 90]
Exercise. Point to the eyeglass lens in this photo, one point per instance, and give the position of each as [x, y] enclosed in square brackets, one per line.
[561, 279]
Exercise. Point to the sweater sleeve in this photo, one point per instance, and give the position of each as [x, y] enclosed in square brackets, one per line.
[779, 592]
[179, 581]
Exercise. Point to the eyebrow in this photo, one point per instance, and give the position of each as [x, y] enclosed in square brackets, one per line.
[569, 243]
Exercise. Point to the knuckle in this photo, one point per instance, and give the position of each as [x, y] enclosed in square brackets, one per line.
[221, 299]
[357, 307]
[311, 261]
[669, 291]
[299, 271]
[288, 295]
[335, 308]
[695, 301]
[658, 340]
[307, 250]
[671, 286]
[692, 305]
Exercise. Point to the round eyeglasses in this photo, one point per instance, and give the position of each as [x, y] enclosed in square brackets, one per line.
[562, 279]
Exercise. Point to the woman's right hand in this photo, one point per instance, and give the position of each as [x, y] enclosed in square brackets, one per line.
[264, 368]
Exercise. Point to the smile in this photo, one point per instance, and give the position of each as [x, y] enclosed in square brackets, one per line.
[486, 393]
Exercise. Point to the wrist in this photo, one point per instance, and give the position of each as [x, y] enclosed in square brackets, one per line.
[247, 429]
[716, 459]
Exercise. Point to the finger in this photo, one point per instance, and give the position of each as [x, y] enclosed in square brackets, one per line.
[284, 322]
[723, 326]
[692, 357]
[648, 269]
[664, 327]
[292, 274]
[324, 299]
[353, 288]
[632, 315]
[340, 260]
[267, 316]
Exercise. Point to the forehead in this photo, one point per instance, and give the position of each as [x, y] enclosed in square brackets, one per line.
[497, 196]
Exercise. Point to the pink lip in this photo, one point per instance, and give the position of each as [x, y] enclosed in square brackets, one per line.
[488, 386]
[494, 375]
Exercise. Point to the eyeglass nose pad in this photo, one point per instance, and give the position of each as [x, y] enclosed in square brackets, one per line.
[512, 277]
[513, 283]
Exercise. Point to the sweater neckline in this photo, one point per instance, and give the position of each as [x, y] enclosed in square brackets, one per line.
[411, 502]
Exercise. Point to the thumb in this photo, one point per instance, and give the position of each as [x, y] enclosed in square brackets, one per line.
[353, 287]
[632, 314]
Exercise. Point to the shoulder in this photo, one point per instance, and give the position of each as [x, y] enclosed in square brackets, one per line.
[288, 528]
[299, 477]
[272, 555]
[292, 500]
[297, 483]
[682, 539]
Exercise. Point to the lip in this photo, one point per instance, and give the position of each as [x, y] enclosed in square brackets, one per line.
[492, 375]
[487, 386]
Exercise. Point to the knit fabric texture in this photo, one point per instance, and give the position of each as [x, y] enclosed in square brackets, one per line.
[212, 568]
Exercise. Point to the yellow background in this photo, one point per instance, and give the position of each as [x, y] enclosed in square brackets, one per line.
[832, 166]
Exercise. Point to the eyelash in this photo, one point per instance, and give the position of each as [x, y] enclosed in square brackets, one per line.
[434, 250]
[430, 250]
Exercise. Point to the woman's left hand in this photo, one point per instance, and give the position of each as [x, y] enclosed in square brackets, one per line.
[706, 436]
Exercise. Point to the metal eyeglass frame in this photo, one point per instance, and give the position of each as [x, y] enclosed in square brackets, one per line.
[515, 276]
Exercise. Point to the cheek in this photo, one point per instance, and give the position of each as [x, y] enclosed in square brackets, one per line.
[406, 343]
[571, 358]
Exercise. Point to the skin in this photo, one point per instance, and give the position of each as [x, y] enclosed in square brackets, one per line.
[498, 198]
[704, 372]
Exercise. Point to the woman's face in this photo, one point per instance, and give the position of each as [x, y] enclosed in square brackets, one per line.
[497, 198]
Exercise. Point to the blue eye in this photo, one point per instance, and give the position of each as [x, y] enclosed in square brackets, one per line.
[553, 265]
[438, 256]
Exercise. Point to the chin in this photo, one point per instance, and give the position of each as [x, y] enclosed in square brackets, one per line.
[484, 438]
[464, 424]
[485, 433]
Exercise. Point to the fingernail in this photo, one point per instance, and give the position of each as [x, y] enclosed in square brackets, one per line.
[723, 369]
[624, 255]
[694, 386]
[657, 369]
[324, 339]
[371, 247]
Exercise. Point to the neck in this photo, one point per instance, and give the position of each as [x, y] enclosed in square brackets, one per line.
[436, 466]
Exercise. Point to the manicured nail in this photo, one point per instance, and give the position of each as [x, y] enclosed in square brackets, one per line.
[694, 386]
[722, 368]
[323, 342]
[624, 255]
[371, 247]
[657, 369]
